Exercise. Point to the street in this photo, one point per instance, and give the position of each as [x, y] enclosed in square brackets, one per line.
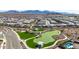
[12, 41]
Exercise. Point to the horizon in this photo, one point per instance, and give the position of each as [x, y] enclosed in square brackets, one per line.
[60, 11]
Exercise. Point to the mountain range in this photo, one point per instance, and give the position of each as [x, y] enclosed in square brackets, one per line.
[36, 12]
[31, 12]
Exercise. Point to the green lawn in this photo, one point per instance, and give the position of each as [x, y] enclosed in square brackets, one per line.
[48, 44]
[47, 37]
[30, 43]
[25, 35]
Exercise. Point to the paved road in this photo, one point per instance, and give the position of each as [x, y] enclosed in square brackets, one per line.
[12, 41]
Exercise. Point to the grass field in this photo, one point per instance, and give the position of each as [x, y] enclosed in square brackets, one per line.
[25, 35]
[47, 37]
[30, 43]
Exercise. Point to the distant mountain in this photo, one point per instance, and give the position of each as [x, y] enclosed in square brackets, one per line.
[11, 11]
[38, 12]
[31, 12]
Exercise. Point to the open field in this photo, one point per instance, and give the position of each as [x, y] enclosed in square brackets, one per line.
[47, 37]
[31, 44]
[25, 35]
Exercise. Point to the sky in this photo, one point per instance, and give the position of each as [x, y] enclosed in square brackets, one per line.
[51, 5]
